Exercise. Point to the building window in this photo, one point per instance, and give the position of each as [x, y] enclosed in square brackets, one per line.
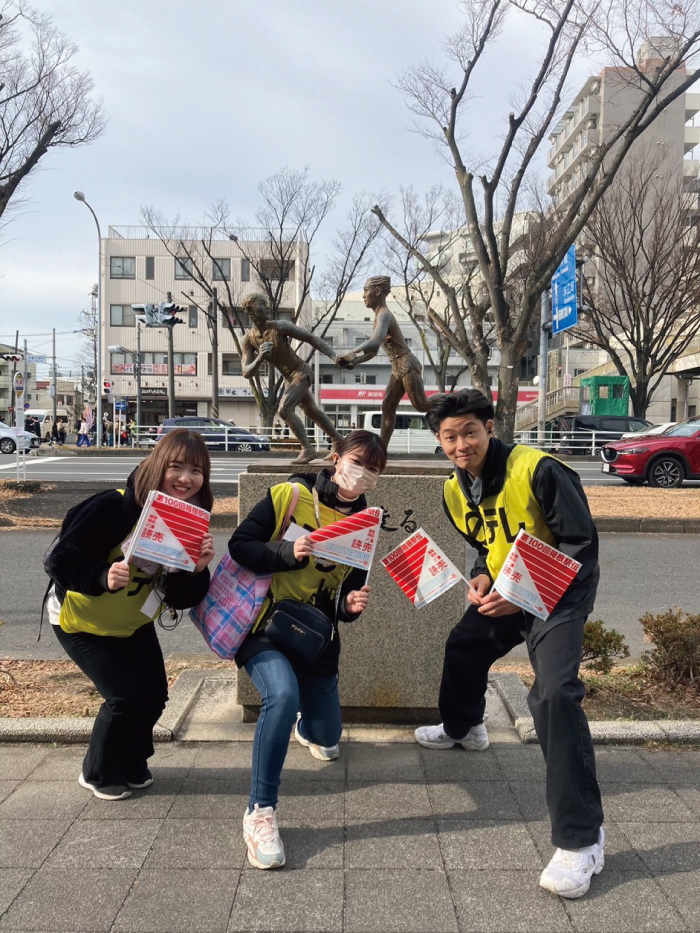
[183, 269]
[692, 411]
[329, 341]
[359, 341]
[365, 379]
[238, 318]
[245, 270]
[150, 267]
[221, 270]
[231, 365]
[618, 391]
[326, 378]
[409, 342]
[285, 314]
[185, 364]
[122, 316]
[275, 270]
[192, 315]
[122, 267]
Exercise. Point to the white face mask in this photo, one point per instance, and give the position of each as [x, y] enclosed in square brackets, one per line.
[353, 479]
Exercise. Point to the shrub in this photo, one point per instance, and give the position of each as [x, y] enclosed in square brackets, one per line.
[675, 654]
[601, 646]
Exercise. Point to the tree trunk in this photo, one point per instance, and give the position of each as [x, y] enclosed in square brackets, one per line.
[507, 394]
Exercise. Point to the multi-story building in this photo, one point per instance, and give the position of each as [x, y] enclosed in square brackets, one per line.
[602, 104]
[138, 268]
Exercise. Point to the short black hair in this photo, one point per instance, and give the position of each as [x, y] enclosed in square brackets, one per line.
[454, 404]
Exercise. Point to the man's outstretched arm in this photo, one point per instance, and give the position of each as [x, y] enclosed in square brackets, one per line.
[369, 349]
[294, 332]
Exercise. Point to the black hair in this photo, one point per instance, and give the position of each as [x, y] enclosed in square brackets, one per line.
[454, 404]
[371, 446]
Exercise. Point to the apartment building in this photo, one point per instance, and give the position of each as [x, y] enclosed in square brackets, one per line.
[602, 103]
[139, 268]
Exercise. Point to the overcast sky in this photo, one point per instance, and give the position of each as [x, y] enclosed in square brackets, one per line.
[206, 99]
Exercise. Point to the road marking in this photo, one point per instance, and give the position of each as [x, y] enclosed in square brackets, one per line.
[32, 462]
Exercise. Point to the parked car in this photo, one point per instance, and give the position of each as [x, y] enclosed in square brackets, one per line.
[576, 431]
[217, 434]
[657, 429]
[8, 439]
[663, 460]
[411, 432]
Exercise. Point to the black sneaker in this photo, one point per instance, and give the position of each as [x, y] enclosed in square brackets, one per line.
[145, 780]
[111, 792]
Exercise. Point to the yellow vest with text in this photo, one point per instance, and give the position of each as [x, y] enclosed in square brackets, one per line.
[496, 521]
[118, 614]
[319, 577]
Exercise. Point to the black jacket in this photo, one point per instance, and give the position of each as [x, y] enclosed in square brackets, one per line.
[251, 547]
[79, 561]
[558, 491]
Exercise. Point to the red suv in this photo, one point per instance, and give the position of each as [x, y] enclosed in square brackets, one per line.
[663, 460]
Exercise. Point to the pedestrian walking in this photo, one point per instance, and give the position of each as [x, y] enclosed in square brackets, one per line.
[102, 610]
[288, 684]
[83, 436]
[497, 488]
[54, 434]
[61, 432]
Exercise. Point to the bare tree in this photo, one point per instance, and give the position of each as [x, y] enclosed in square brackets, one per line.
[416, 291]
[642, 294]
[571, 29]
[278, 253]
[45, 100]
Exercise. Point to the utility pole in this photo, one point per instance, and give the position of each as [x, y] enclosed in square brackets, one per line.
[55, 382]
[171, 368]
[542, 388]
[138, 378]
[14, 370]
[214, 326]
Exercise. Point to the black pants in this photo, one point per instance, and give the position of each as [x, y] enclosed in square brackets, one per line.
[475, 643]
[130, 674]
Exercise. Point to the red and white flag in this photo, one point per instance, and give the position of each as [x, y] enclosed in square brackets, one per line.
[351, 541]
[535, 575]
[169, 532]
[421, 569]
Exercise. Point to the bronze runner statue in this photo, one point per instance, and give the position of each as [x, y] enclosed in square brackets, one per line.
[405, 368]
[269, 341]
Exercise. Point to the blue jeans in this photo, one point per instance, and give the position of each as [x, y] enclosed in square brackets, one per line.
[283, 693]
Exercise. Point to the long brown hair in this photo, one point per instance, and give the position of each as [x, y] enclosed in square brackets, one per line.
[185, 447]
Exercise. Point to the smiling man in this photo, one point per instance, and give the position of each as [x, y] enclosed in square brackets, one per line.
[495, 490]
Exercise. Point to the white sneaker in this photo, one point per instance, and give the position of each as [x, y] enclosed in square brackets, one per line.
[476, 740]
[318, 751]
[570, 871]
[262, 837]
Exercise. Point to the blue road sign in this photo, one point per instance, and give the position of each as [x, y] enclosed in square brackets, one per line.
[564, 300]
[121, 405]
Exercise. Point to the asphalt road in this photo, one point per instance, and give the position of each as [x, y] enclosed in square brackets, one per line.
[639, 573]
[224, 470]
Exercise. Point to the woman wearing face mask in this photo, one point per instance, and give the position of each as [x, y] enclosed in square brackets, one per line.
[287, 684]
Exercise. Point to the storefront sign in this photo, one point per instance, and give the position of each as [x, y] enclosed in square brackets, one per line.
[235, 393]
[154, 390]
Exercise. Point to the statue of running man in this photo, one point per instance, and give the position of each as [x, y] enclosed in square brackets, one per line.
[405, 368]
[268, 341]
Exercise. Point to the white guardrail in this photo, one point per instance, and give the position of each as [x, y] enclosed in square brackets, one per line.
[417, 442]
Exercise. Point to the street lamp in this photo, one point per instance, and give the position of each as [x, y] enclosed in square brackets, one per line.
[136, 357]
[79, 196]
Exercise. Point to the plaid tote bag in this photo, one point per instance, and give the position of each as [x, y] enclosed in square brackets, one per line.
[234, 599]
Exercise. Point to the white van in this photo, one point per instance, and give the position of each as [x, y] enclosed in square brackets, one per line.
[411, 433]
[45, 416]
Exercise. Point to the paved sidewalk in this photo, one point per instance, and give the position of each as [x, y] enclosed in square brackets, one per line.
[391, 837]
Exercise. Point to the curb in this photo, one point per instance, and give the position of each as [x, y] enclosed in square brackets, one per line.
[513, 692]
[509, 687]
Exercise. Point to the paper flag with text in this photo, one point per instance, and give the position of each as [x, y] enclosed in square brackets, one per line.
[535, 575]
[351, 541]
[169, 532]
[421, 569]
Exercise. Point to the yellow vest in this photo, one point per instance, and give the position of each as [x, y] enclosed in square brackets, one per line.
[319, 577]
[118, 614]
[496, 521]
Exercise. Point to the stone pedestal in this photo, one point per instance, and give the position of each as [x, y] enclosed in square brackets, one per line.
[391, 659]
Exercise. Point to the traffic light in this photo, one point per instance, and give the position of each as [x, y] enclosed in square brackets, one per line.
[12, 357]
[148, 314]
[106, 387]
[167, 313]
